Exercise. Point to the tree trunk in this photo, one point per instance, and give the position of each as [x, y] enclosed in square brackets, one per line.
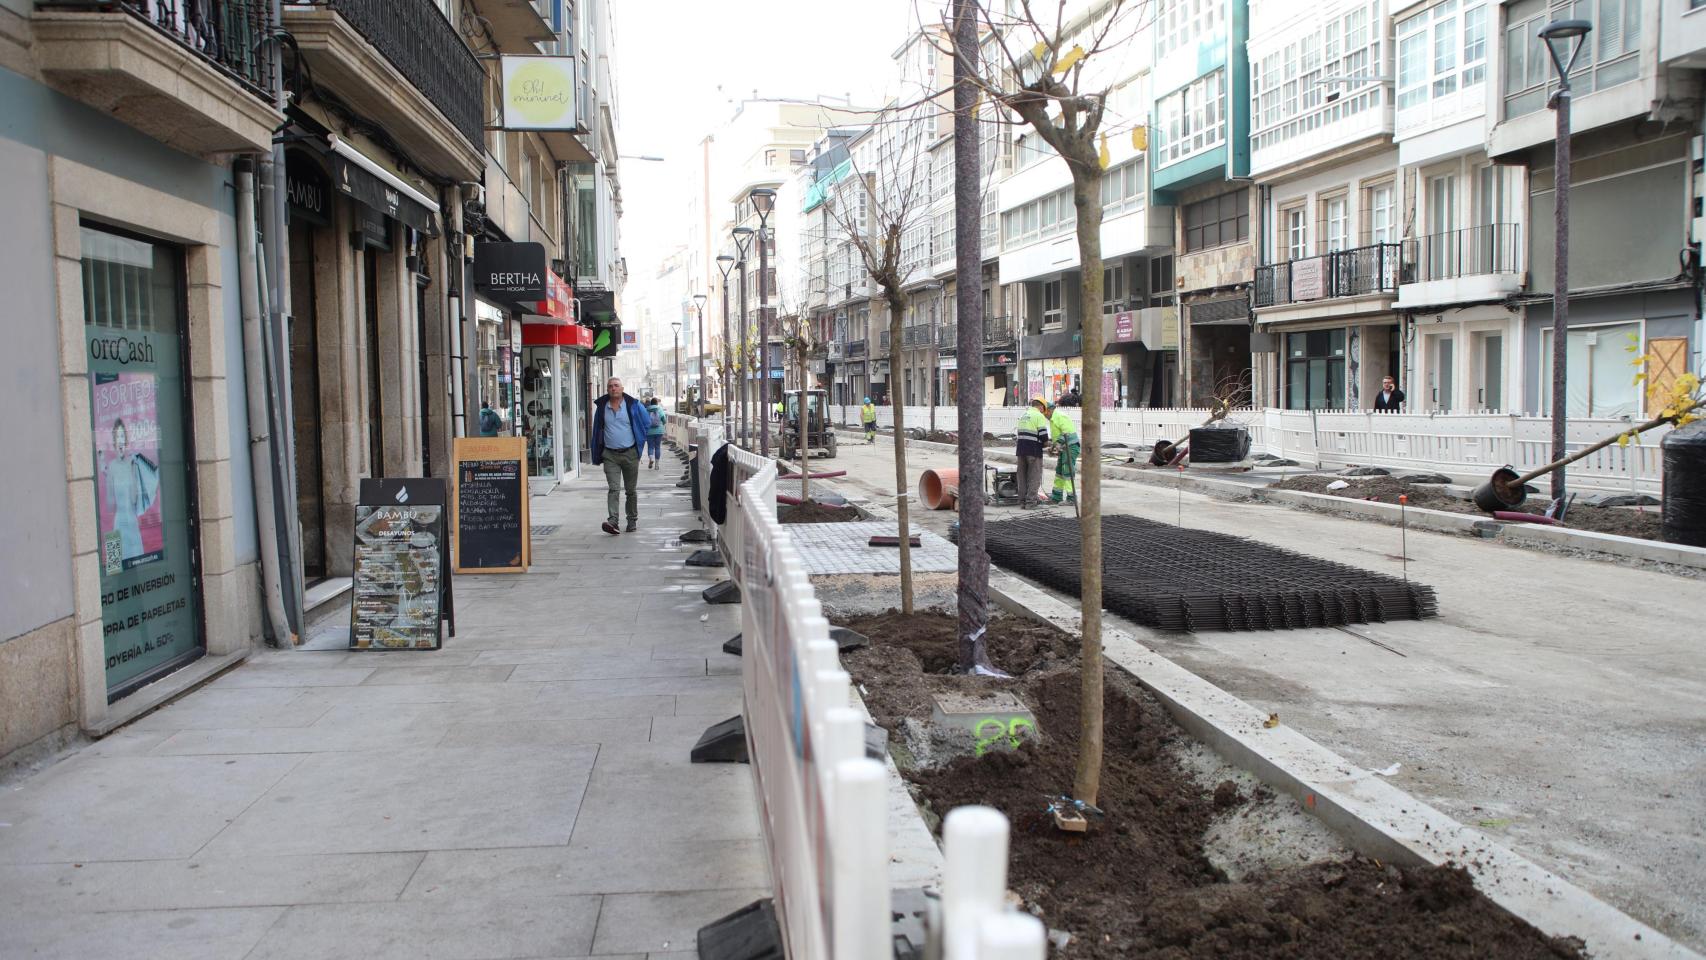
[968, 293]
[805, 412]
[897, 309]
[1087, 199]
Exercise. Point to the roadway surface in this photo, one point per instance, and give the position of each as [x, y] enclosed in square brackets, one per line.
[1558, 703]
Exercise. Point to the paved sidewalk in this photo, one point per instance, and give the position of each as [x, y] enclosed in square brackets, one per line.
[525, 792]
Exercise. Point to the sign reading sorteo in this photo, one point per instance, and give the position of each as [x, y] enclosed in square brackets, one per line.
[512, 271]
[539, 93]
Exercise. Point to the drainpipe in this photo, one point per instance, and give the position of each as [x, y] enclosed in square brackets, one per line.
[455, 324]
[256, 388]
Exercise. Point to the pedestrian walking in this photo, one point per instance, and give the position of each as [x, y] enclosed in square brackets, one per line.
[619, 425]
[1032, 438]
[868, 416]
[489, 421]
[654, 432]
[1066, 445]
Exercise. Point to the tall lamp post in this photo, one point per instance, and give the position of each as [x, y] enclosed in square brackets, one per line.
[743, 244]
[725, 266]
[678, 404]
[699, 320]
[763, 199]
[1564, 42]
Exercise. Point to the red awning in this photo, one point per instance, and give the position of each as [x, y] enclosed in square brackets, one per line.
[570, 335]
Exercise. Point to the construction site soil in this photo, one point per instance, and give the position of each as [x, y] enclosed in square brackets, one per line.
[1138, 883]
[1622, 521]
[813, 512]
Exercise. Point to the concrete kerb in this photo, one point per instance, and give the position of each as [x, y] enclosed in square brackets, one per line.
[1600, 546]
[1375, 818]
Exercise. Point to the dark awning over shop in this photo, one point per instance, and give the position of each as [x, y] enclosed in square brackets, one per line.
[364, 187]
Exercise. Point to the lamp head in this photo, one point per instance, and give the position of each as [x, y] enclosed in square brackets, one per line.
[763, 199]
[725, 259]
[1564, 41]
[743, 241]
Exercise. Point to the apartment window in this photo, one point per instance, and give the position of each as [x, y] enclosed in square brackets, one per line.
[1315, 370]
[1161, 281]
[1181, 23]
[1039, 219]
[1217, 220]
[1378, 208]
[1031, 149]
[944, 239]
[1610, 55]
[1442, 203]
[1053, 316]
[1441, 50]
[1113, 289]
[796, 156]
[1193, 119]
[1321, 78]
[1335, 224]
[1296, 224]
[1122, 188]
[769, 158]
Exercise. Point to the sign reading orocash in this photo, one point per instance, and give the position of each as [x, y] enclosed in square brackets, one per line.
[539, 93]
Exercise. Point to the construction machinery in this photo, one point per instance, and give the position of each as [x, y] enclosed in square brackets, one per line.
[820, 435]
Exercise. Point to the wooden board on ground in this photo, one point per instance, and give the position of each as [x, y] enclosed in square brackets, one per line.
[489, 509]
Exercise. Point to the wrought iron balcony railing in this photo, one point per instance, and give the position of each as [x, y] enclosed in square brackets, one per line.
[1376, 268]
[226, 33]
[1471, 252]
[855, 349]
[421, 43]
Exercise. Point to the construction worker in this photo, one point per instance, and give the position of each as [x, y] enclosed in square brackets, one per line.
[868, 416]
[1066, 445]
[1032, 438]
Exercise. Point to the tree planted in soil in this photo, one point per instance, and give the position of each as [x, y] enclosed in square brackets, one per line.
[796, 336]
[1045, 78]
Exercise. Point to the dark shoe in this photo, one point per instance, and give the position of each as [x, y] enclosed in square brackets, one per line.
[633, 525]
[610, 527]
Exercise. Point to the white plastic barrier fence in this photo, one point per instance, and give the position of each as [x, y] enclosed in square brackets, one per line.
[1463, 444]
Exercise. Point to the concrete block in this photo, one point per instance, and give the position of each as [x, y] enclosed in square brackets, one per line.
[997, 720]
[176, 934]
[410, 930]
[664, 921]
[549, 733]
[195, 884]
[591, 864]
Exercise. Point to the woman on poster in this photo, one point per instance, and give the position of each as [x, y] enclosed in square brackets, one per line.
[131, 483]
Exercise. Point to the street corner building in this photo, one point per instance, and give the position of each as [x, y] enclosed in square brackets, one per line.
[240, 281]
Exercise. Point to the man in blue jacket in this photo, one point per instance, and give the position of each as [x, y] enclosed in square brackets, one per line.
[619, 426]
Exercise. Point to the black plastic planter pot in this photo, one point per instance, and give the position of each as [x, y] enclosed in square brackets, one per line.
[1501, 492]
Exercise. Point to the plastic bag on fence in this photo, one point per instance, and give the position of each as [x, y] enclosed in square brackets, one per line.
[719, 492]
[1684, 509]
[1219, 444]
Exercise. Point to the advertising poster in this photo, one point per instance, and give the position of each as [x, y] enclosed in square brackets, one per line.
[396, 603]
[127, 475]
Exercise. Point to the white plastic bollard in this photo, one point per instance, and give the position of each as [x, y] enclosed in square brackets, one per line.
[844, 729]
[833, 689]
[861, 862]
[822, 655]
[1012, 936]
[974, 875]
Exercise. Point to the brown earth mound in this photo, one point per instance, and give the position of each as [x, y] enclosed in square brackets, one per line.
[1622, 521]
[813, 512]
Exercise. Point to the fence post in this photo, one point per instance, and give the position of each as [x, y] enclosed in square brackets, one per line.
[862, 907]
[1012, 936]
[974, 876]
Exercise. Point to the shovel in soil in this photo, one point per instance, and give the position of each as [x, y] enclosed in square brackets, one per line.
[1505, 489]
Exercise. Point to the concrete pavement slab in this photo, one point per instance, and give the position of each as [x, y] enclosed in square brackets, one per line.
[441, 798]
[442, 930]
[642, 686]
[548, 733]
[664, 921]
[317, 738]
[130, 808]
[608, 668]
[137, 935]
[705, 704]
[611, 864]
[509, 693]
[437, 673]
[180, 884]
[293, 676]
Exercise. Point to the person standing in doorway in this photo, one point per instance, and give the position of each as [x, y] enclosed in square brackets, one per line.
[1066, 446]
[490, 423]
[868, 417]
[1390, 399]
[619, 425]
[654, 432]
[1032, 438]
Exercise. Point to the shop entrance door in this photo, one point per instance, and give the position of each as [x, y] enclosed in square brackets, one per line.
[134, 319]
[305, 402]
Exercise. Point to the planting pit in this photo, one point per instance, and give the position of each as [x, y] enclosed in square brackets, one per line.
[1642, 524]
[1154, 878]
[813, 512]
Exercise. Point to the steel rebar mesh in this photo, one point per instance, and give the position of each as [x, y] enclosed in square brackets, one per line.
[1177, 578]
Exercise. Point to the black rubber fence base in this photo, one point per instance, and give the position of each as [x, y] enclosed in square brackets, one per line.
[732, 645]
[846, 639]
[722, 743]
[726, 592]
[696, 536]
[749, 933]
[705, 558]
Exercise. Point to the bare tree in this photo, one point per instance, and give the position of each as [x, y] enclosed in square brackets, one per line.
[797, 337]
[1041, 78]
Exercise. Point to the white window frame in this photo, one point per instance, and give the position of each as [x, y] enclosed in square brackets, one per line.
[1611, 55]
[1053, 317]
[1335, 222]
[1442, 51]
[1193, 118]
[1294, 226]
[1290, 88]
[1180, 23]
[1380, 209]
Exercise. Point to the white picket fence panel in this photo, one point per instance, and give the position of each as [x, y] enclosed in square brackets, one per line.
[1463, 444]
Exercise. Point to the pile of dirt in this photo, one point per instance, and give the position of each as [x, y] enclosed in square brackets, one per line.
[1138, 883]
[813, 512]
[942, 436]
[1642, 524]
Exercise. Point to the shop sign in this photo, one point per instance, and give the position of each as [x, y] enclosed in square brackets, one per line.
[401, 593]
[630, 340]
[489, 504]
[1170, 328]
[567, 335]
[559, 302]
[308, 188]
[381, 197]
[1125, 327]
[539, 93]
[512, 271]
[950, 363]
[1308, 278]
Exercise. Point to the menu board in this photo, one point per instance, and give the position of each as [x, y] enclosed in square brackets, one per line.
[490, 505]
[401, 592]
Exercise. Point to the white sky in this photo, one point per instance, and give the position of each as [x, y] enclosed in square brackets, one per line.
[672, 55]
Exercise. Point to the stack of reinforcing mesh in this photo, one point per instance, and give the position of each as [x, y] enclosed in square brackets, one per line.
[1176, 578]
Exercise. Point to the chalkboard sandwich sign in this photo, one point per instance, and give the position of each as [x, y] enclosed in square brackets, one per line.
[489, 505]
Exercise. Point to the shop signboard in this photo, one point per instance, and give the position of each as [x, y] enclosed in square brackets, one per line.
[402, 591]
[1125, 326]
[515, 272]
[539, 93]
[559, 302]
[489, 505]
[308, 188]
[1308, 279]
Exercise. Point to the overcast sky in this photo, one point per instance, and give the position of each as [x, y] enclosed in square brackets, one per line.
[673, 55]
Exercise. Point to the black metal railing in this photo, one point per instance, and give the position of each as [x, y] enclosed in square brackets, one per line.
[998, 333]
[1376, 268]
[855, 349]
[883, 343]
[1470, 252]
[916, 336]
[226, 33]
[415, 36]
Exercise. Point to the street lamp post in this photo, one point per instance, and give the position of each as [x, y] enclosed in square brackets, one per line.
[726, 265]
[763, 199]
[743, 243]
[1564, 42]
[699, 320]
[678, 404]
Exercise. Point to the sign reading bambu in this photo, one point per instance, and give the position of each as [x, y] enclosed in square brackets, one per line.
[402, 590]
[489, 505]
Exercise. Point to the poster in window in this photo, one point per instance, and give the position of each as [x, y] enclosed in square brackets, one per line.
[127, 474]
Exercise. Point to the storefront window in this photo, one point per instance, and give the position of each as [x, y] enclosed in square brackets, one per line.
[1597, 378]
[1315, 370]
[540, 420]
[133, 311]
